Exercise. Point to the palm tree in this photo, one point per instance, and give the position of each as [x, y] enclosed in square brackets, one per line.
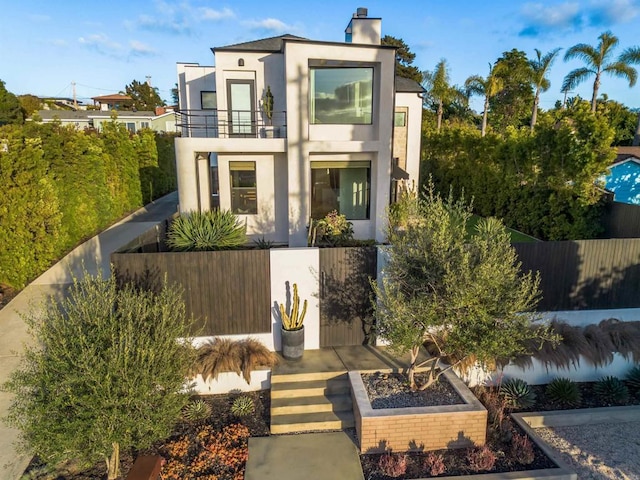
[597, 62]
[437, 84]
[632, 56]
[539, 69]
[489, 87]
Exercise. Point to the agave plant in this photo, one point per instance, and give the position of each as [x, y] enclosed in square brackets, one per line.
[564, 392]
[518, 393]
[611, 391]
[205, 231]
[197, 411]
[633, 378]
[243, 406]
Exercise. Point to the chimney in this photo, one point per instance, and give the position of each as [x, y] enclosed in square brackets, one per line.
[363, 29]
[160, 111]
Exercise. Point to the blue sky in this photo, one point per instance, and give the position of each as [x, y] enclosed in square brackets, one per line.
[102, 46]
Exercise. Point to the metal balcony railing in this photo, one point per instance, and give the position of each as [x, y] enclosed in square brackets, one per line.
[232, 124]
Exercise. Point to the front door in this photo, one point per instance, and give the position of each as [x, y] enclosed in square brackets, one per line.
[346, 312]
[241, 95]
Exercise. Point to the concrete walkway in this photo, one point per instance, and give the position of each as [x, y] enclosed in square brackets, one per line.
[308, 456]
[95, 255]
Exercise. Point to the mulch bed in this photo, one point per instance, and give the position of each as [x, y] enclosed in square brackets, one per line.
[6, 295]
[589, 399]
[258, 424]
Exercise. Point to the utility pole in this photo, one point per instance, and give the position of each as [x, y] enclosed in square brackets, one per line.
[75, 99]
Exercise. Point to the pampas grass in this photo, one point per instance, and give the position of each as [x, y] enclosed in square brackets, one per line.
[224, 355]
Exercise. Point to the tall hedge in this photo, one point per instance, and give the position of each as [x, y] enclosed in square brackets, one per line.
[541, 183]
[61, 186]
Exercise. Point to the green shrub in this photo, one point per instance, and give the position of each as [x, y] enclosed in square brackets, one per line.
[518, 393]
[633, 379]
[564, 392]
[611, 391]
[263, 244]
[243, 406]
[196, 411]
[334, 229]
[206, 231]
[105, 372]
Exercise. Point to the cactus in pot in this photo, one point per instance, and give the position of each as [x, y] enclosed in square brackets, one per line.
[292, 327]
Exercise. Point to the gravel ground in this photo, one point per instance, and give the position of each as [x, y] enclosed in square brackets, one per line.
[391, 390]
[598, 452]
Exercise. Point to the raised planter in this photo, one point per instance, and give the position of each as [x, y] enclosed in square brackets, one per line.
[232, 382]
[418, 428]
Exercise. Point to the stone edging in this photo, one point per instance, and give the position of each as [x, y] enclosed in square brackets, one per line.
[581, 416]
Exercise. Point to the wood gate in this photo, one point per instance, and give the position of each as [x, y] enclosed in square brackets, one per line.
[346, 313]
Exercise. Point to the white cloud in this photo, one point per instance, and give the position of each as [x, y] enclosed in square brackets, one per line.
[141, 49]
[269, 24]
[609, 12]
[539, 18]
[100, 43]
[211, 14]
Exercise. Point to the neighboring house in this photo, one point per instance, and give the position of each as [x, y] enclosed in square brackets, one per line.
[114, 101]
[624, 176]
[343, 134]
[162, 120]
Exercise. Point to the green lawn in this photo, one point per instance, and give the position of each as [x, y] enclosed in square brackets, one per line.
[516, 237]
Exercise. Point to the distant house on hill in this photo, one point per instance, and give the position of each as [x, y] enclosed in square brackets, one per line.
[114, 101]
[162, 120]
[624, 176]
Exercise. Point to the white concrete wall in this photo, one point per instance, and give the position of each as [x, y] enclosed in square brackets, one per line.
[302, 267]
[414, 133]
[193, 79]
[230, 381]
[305, 139]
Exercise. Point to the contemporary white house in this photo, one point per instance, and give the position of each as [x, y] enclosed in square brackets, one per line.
[285, 129]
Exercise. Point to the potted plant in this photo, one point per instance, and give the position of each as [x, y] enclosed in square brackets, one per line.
[292, 328]
[267, 107]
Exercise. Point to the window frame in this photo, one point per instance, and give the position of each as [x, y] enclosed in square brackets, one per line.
[404, 118]
[342, 165]
[312, 120]
[252, 167]
[202, 100]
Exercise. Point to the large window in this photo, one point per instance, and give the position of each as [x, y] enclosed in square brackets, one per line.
[244, 199]
[340, 186]
[341, 95]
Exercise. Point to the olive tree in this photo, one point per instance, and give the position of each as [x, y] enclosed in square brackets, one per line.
[106, 373]
[459, 293]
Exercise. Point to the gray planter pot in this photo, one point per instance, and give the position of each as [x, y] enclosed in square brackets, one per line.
[292, 343]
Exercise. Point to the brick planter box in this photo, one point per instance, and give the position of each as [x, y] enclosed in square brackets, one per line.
[418, 428]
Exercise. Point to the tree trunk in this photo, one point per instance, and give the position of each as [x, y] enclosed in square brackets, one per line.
[412, 368]
[440, 111]
[596, 87]
[113, 463]
[636, 137]
[534, 113]
[484, 116]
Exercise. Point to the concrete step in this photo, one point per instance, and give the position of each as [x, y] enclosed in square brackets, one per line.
[315, 404]
[313, 388]
[303, 377]
[305, 422]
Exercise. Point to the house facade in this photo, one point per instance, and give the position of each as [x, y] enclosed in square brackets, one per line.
[286, 129]
[161, 120]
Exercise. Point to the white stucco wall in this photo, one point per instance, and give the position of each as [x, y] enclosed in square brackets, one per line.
[414, 132]
[302, 267]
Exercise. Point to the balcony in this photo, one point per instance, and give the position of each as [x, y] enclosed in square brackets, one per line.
[231, 124]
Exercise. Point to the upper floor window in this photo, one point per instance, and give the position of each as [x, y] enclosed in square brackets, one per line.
[209, 100]
[341, 95]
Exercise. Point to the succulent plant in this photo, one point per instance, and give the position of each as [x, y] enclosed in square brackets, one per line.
[518, 393]
[633, 379]
[564, 392]
[393, 464]
[204, 231]
[243, 406]
[481, 459]
[611, 391]
[197, 411]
